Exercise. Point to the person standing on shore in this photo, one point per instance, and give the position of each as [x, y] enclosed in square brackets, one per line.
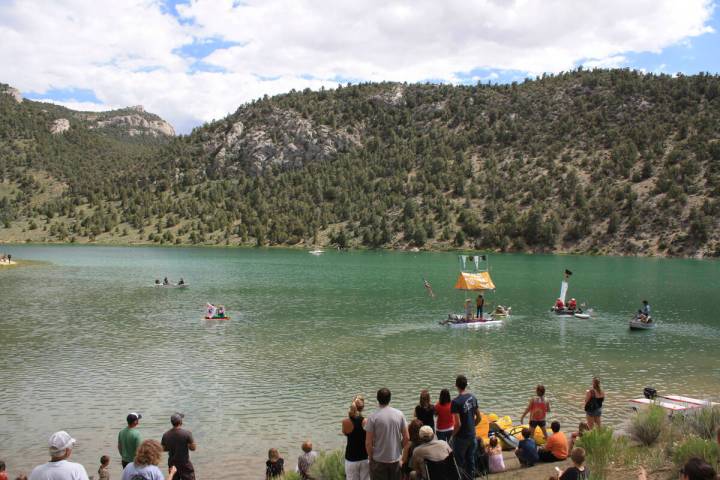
[425, 411]
[178, 442]
[386, 438]
[445, 422]
[129, 439]
[353, 427]
[594, 398]
[538, 408]
[58, 468]
[466, 414]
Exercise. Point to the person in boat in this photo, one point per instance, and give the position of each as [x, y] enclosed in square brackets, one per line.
[181, 282]
[572, 305]
[500, 310]
[166, 281]
[221, 312]
[211, 309]
[468, 310]
[644, 312]
[479, 304]
[157, 281]
[559, 304]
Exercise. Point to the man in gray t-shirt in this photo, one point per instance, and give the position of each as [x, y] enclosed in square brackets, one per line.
[386, 438]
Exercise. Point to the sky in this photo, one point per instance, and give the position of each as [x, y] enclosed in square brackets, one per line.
[193, 61]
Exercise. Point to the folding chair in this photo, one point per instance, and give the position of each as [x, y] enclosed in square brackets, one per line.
[443, 469]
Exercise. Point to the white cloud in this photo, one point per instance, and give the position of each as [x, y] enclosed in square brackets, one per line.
[127, 52]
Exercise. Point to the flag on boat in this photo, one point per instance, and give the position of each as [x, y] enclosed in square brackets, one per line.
[474, 281]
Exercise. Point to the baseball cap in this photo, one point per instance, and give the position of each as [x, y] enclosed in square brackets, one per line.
[176, 418]
[426, 432]
[132, 416]
[59, 441]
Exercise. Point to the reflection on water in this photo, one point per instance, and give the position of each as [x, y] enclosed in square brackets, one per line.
[87, 339]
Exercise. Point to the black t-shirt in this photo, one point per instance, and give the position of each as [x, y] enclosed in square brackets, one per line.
[176, 442]
[426, 415]
[465, 405]
[574, 473]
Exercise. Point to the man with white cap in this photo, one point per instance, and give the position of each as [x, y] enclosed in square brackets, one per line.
[58, 468]
[129, 439]
[430, 448]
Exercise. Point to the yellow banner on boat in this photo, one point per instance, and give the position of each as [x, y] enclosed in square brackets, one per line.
[474, 281]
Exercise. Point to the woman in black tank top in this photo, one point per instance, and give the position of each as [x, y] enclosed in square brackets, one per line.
[357, 466]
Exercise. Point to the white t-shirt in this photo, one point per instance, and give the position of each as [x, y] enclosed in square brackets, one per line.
[62, 470]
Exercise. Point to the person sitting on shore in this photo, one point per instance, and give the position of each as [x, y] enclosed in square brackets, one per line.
[60, 445]
[275, 465]
[495, 456]
[429, 448]
[582, 428]
[146, 462]
[414, 434]
[104, 470]
[424, 410]
[538, 408]
[306, 460]
[697, 469]
[556, 447]
[578, 470]
[526, 452]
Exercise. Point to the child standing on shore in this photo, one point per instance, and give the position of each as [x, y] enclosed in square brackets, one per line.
[104, 471]
[275, 466]
[538, 408]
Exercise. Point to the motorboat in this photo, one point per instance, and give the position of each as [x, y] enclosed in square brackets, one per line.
[642, 323]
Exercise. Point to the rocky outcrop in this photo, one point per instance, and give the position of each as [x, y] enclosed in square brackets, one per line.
[136, 125]
[285, 140]
[13, 92]
[392, 98]
[61, 125]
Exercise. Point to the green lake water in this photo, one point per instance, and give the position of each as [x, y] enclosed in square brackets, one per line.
[86, 339]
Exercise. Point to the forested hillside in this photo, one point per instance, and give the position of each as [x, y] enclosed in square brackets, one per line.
[603, 161]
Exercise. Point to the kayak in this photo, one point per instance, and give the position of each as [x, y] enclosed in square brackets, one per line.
[455, 320]
[637, 324]
[216, 318]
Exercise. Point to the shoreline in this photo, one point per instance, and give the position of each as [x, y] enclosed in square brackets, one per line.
[304, 247]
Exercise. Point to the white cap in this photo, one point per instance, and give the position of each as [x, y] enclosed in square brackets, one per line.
[60, 441]
[426, 432]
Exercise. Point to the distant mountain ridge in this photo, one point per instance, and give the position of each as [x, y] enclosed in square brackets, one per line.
[602, 161]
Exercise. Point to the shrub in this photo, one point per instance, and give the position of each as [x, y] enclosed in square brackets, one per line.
[329, 466]
[704, 422]
[708, 450]
[292, 476]
[648, 424]
[599, 449]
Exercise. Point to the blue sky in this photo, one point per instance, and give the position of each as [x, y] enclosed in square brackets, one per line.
[192, 62]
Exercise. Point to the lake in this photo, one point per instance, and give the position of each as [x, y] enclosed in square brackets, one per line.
[87, 339]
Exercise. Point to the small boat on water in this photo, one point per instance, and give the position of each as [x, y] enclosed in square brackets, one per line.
[637, 323]
[171, 285]
[217, 318]
[671, 403]
[213, 312]
[455, 320]
[316, 252]
[569, 309]
[475, 277]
